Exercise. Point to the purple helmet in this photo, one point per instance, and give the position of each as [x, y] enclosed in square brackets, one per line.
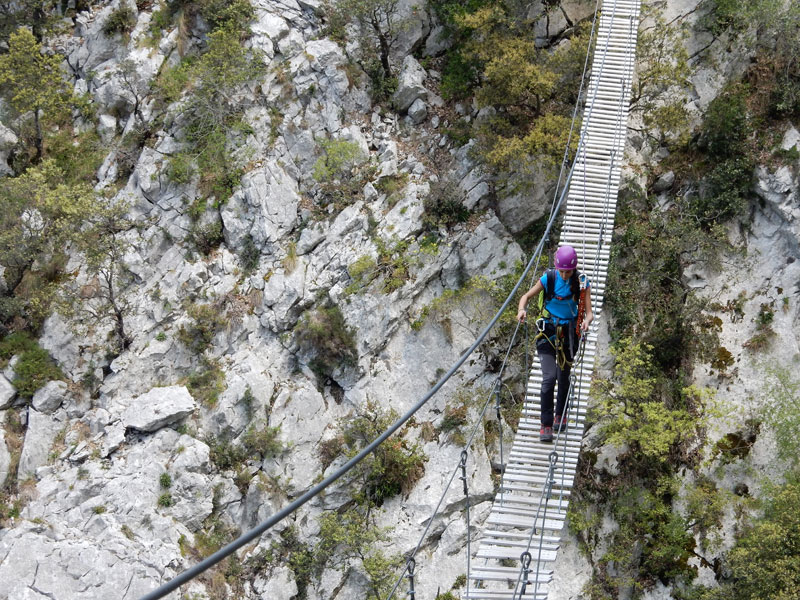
[566, 258]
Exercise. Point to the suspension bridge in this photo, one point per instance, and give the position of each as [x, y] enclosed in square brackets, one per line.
[518, 544]
[528, 514]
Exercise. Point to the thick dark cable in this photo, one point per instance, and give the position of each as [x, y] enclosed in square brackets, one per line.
[463, 478]
[410, 566]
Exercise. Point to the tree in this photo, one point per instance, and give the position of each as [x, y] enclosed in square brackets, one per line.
[36, 14]
[658, 90]
[533, 88]
[215, 108]
[379, 23]
[352, 536]
[103, 245]
[630, 410]
[32, 82]
[41, 217]
[765, 562]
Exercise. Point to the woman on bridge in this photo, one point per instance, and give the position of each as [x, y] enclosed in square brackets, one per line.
[566, 315]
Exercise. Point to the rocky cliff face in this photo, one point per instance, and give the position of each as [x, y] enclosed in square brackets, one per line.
[98, 520]
[122, 481]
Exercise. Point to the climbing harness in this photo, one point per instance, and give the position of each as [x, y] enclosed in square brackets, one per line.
[560, 338]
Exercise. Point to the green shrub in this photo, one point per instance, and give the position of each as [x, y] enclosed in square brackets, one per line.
[121, 20]
[351, 537]
[454, 418]
[225, 454]
[206, 383]
[214, 535]
[726, 126]
[180, 168]
[630, 411]
[785, 98]
[723, 16]
[394, 467]
[165, 481]
[262, 442]
[231, 14]
[324, 334]
[207, 237]
[338, 157]
[78, 155]
[207, 321]
[460, 76]
[765, 564]
[249, 255]
[300, 558]
[727, 197]
[174, 80]
[34, 367]
[444, 205]
[165, 500]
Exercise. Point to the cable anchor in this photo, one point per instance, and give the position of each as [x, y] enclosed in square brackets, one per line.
[525, 557]
[463, 466]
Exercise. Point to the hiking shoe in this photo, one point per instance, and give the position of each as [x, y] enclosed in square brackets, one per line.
[546, 434]
[560, 424]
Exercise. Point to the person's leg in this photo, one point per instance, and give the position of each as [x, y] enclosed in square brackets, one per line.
[563, 389]
[547, 359]
[571, 343]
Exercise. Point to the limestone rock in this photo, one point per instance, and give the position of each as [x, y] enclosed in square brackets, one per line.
[7, 141]
[281, 584]
[7, 393]
[265, 207]
[49, 397]
[517, 210]
[438, 41]
[42, 431]
[664, 182]
[791, 139]
[409, 85]
[114, 436]
[418, 111]
[5, 458]
[775, 187]
[489, 250]
[159, 407]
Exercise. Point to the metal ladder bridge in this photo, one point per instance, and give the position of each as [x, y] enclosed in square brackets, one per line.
[529, 511]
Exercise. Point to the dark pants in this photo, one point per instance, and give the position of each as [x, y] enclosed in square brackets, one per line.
[552, 374]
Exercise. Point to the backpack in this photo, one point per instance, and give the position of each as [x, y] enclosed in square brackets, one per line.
[550, 290]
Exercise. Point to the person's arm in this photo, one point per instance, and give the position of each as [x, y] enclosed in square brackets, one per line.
[523, 302]
[588, 317]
